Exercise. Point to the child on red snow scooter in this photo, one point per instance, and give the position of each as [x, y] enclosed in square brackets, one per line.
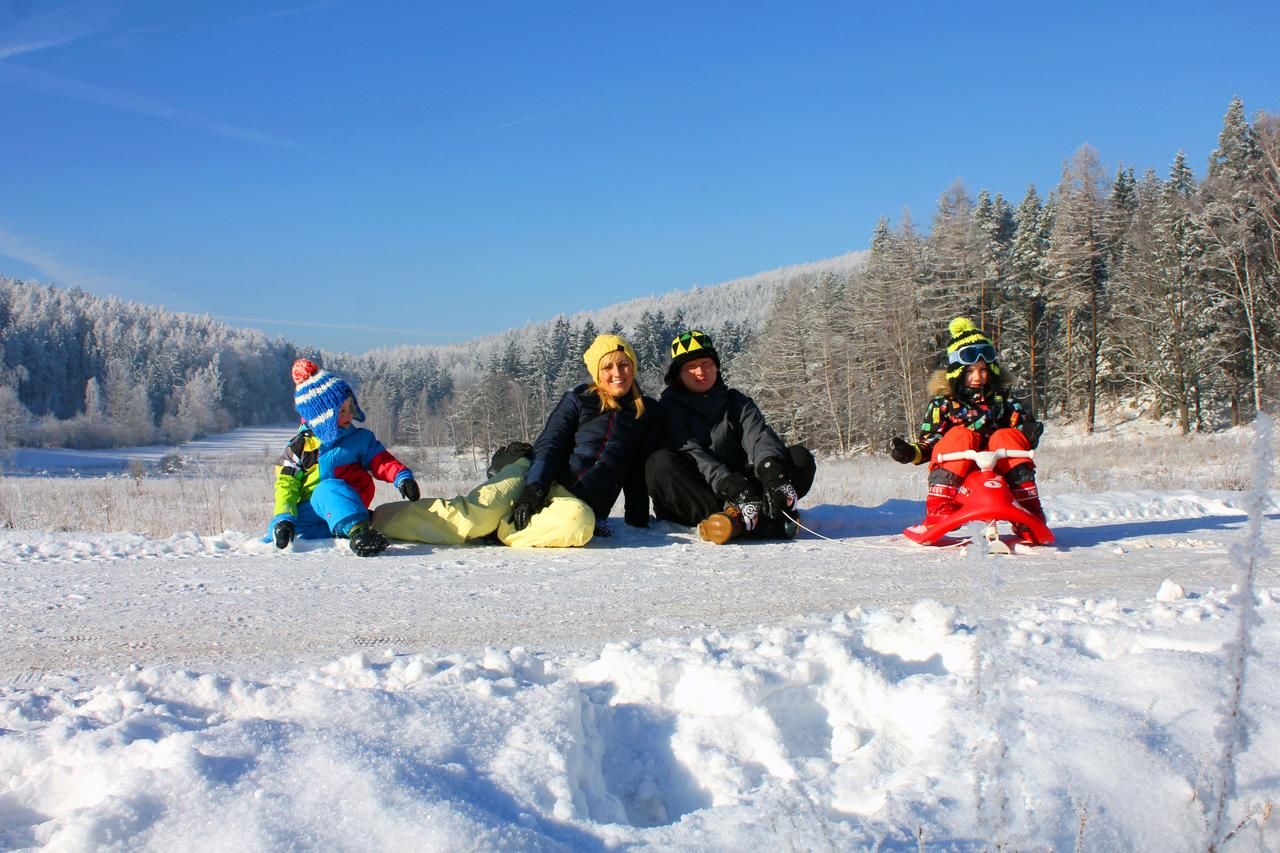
[324, 482]
[971, 410]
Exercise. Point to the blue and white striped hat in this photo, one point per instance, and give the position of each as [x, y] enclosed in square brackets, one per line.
[318, 395]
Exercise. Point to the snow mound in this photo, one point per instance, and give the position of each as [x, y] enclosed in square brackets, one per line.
[855, 732]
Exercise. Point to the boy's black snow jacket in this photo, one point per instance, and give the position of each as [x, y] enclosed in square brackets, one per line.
[595, 454]
[723, 430]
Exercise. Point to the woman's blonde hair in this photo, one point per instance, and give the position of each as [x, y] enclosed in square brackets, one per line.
[608, 402]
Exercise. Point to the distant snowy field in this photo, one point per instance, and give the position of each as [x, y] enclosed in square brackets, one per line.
[200, 690]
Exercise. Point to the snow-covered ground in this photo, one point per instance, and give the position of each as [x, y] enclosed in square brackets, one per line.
[210, 693]
[263, 441]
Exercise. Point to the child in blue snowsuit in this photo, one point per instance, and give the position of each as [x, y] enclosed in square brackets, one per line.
[324, 481]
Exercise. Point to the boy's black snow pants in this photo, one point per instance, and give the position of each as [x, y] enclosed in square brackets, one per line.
[680, 493]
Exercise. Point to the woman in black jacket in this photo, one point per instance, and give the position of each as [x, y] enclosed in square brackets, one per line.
[558, 492]
[721, 467]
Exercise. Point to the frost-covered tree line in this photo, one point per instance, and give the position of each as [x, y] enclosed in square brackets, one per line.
[486, 392]
[1150, 290]
[484, 401]
[84, 371]
[78, 370]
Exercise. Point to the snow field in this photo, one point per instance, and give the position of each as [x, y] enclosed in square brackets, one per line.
[205, 691]
[858, 731]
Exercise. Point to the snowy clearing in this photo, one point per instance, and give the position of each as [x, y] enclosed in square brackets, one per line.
[206, 692]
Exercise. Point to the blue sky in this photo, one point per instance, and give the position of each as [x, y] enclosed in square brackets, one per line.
[364, 174]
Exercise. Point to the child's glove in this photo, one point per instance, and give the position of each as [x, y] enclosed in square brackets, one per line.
[1034, 431]
[409, 489]
[530, 503]
[903, 451]
[779, 495]
[283, 533]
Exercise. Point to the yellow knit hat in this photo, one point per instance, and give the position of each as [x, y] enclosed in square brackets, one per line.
[602, 346]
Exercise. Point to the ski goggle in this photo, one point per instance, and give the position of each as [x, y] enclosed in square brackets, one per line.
[970, 354]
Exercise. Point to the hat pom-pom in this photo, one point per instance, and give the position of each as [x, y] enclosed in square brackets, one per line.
[304, 369]
[960, 325]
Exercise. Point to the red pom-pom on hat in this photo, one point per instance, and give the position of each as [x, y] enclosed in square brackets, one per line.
[304, 369]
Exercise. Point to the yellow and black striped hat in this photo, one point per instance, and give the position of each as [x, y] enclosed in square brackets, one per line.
[968, 345]
[687, 346]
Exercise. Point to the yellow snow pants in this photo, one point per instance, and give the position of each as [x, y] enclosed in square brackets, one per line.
[565, 522]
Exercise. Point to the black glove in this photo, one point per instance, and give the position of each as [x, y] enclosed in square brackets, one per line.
[506, 455]
[530, 503]
[409, 488]
[283, 533]
[1034, 430]
[779, 499]
[602, 530]
[902, 451]
[779, 495]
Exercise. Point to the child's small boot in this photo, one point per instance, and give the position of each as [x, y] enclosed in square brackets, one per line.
[365, 541]
[941, 501]
[1022, 482]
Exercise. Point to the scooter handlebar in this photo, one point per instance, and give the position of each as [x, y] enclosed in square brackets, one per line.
[985, 459]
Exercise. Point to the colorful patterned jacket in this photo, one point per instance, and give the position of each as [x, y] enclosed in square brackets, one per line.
[356, 458]
[982, 412]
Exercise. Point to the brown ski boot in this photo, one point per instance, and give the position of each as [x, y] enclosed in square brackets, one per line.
[720, 527]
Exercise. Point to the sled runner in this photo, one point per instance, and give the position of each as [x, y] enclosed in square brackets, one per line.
[984, 496]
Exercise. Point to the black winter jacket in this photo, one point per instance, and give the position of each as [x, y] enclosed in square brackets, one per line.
[595, 453]
[723, 430]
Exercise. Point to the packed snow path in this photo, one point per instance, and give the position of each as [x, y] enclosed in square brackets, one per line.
[98, 603]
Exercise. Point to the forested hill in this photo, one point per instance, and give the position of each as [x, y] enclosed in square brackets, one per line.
[742, 304]
[86, 371]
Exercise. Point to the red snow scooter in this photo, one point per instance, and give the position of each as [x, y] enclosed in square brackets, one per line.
[983, 496]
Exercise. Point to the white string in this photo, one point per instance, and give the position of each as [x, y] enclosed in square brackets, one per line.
[797, 523]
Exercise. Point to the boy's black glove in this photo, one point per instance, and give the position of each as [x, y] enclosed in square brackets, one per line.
[903, 451]
[779, 495]
[409, 489]
[283, 533]
[529, 504]
[751, 506]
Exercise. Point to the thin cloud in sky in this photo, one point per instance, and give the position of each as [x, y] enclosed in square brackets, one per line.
[25, 34]
[52, 84]
[542, 114]
[49, 264]
[71, 23]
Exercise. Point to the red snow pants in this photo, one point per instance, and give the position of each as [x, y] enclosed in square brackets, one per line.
[959, 438]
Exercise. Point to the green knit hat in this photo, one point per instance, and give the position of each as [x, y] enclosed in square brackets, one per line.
[968, 345]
